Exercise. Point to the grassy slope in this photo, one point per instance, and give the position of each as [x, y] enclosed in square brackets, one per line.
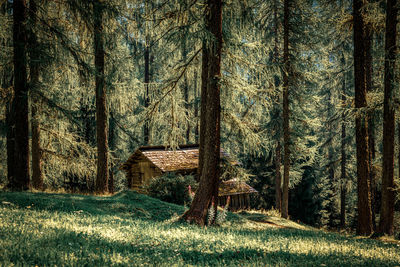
[132, 229]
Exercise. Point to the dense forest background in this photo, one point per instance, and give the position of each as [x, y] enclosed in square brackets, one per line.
[131, 71]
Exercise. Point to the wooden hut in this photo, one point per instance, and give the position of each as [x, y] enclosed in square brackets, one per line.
[148, 162]
[238, 192]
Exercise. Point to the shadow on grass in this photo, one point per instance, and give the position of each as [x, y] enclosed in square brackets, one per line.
[73, 248]
[66, 247]
[124, 204]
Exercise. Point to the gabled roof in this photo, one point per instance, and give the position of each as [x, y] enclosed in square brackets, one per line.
[185, 157]
[234, 187]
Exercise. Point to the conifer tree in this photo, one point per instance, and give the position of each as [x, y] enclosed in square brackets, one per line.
[101, 100]
[388, 193]
[364, 219]
[210, 117]
[20, 110]
[343, 176]
[34, 61]
[286, 129]
[6, 85]
[147, 45]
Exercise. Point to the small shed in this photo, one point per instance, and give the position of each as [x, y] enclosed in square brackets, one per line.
[152, 161]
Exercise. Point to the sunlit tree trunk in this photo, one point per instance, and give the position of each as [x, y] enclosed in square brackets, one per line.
[101, 101]
[286, 130]
[388, 193]
[364, 220]
[210, 118]
[20, 109]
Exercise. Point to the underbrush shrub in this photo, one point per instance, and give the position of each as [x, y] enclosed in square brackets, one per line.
[172, 188]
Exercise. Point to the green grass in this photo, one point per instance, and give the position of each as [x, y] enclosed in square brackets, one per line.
[132, 229]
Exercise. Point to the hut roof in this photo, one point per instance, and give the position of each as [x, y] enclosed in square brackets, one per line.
[235, 187]
[185, 157]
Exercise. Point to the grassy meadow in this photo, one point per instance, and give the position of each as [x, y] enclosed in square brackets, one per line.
[132, 229]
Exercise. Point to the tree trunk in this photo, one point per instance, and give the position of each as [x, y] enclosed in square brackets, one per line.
[364, 221]
[203, 105]
[186, 87]
[278, 178]
[196, 109]
[37, 173]
[101, 101]
[371, 138]
[286, 130]
[146, 128]
[20, 110]
[388, 193]
[10, 122]
[7, 82]
[210, 154]
[343, 184]
[111, 142]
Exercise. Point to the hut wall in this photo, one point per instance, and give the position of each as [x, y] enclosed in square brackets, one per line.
[141, 173]
[237, 202]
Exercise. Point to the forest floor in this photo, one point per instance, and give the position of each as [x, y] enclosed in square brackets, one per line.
[133, 229]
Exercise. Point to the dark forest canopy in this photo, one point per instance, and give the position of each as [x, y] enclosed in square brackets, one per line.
[304, 94]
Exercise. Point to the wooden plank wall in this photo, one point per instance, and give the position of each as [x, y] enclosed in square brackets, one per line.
[141, 173]
[237, 202]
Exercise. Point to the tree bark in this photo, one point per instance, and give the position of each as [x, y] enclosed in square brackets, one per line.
[286, 129]
[196, 109]
[278, 178]
[20, 109]
[37, 173]
[10, 122]
[111, 142]
[364, 221]
[343, 184]
[203, 105]
[210, 116]
[101, 101]
[388, 193]
[7, 82]
[371, 136]
[146, 128]
[186, 87]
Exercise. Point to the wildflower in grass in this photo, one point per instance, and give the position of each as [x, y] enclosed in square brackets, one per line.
[221, 216]
[211, 214]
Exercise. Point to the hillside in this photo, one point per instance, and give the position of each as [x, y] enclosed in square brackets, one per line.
[133, 229]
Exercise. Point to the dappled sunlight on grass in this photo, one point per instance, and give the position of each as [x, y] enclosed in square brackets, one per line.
[111, 231]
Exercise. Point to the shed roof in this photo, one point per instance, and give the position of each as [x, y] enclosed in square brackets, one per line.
[234, 187]
[185, 157]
